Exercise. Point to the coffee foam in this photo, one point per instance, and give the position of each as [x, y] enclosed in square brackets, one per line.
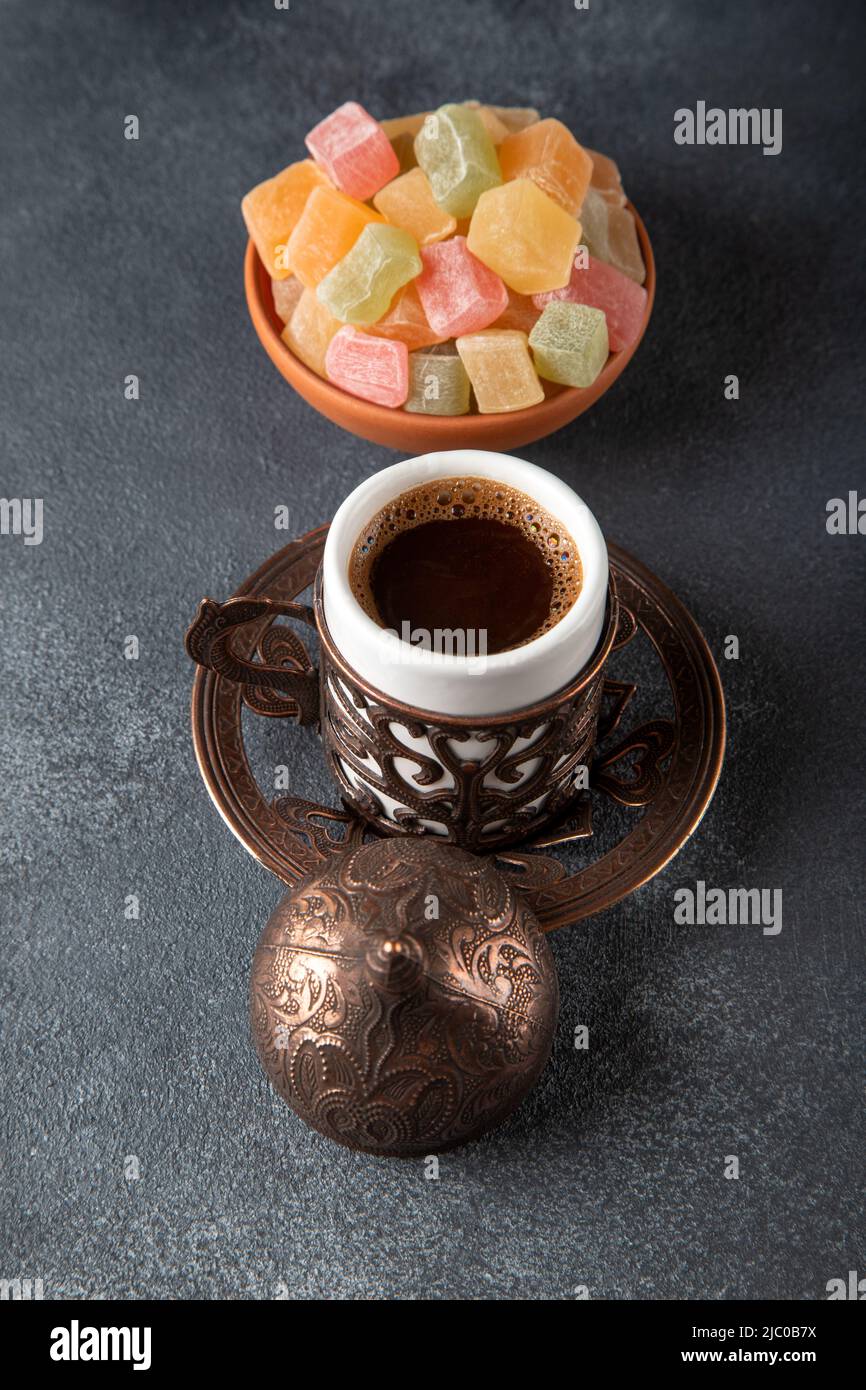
[451, 499]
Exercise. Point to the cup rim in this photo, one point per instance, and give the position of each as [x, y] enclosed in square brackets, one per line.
[521, 713]
[497, 664]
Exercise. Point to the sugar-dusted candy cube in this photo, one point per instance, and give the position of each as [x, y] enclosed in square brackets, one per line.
[328, 227]
[610, 233]
[569, 343]
[361, 286]
[272, 209]
[406, 321]
[622, 302]
[521, 233]
[401, 131]
[395, 126]
[606, 178]
[376, 369]
[408, 202]
[593, 222]
[521, 312]
[438, 384]
[623, 245]
[458, 293]
[548, 153]
[310, 330]
[353, 150]
[404, 148]
[516, 117]
[512, 117]
[496, 128]
[500, 369]
[457, 155]
[286, 295]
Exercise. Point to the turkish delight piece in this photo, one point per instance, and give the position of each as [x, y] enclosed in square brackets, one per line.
[361, 286]
[353, 150]
[404, 125]
[376, 369]
[602, 286]
[548, 153]
[459, 294]
[456, 153]
[499, 366]
[606, 178]
[408, 202]
[406, 321]
[524, 236]
[512, 117]
[272, 210]
[496, 128]
[404, 148]
[521, 312]
[309, 331]
[609, 231]
[438, 384]
[286, 294]
[516, 117]
[569, 343]
[328, 227]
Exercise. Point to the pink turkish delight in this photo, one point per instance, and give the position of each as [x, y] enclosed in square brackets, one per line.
[354, 151]
[459, 293]
[601, 286]
[376, 369]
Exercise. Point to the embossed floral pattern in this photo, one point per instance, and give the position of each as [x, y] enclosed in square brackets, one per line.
[392, 1027]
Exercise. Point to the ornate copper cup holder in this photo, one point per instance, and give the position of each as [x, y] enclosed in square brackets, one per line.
[659, 753]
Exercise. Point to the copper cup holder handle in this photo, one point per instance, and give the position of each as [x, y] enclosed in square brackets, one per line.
[209, 643]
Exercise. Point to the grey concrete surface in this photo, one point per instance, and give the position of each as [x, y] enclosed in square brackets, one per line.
[129, 1038]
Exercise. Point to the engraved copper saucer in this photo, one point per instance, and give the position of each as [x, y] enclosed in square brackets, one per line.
[659, 755]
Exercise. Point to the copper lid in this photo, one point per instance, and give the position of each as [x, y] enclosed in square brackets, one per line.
[403, 997]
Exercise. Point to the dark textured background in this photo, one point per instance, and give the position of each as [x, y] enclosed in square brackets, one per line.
[125, 1038]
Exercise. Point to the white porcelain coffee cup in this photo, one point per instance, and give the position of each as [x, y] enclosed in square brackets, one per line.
[445, 683]
[482, 753]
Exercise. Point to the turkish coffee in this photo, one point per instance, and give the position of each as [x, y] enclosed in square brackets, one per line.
[465, 555]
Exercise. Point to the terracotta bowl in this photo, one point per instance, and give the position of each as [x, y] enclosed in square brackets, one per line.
[420, 434]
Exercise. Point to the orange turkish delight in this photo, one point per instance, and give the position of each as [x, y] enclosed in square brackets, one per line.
[521, 233]
[328, 228]
[273, 209]
[548, 153]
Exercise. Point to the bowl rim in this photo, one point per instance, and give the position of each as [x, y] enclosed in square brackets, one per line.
[549, 414]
